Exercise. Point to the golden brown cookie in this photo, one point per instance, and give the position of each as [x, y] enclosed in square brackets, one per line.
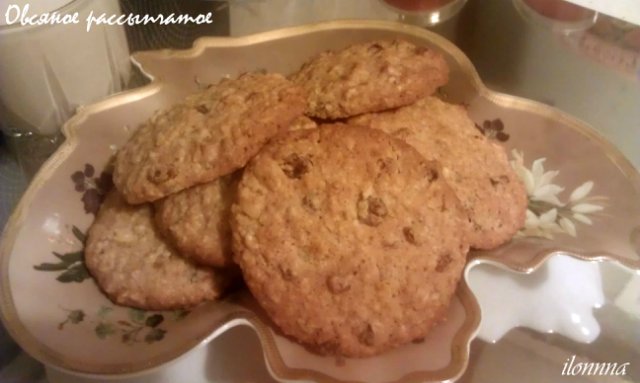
[303, 122]
[348, 238]
[476, 168]
[135, 267]
[196, 221]
[370, 77]
[208, 135]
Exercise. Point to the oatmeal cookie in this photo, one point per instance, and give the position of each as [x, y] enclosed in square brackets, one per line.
[477, 168]
[303, 122]
[208, 135]
[348, 238]
[370, 77]
[196, 221]
[135, 267]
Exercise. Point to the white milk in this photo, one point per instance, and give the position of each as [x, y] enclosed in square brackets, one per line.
[46, 71]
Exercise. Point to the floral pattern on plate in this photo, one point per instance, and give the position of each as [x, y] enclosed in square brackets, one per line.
[93, 188]
[140, 326]
[547, 215]
[493, 129]
[71, 263]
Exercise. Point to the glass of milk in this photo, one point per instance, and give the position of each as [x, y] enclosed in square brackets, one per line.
[48, 70]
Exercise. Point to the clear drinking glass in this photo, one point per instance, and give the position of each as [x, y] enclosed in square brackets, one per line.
[47, 71]
[557, 15]
[425, 13]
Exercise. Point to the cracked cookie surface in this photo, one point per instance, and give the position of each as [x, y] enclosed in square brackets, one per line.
[209, 134]
[348, 238]
[477, 168]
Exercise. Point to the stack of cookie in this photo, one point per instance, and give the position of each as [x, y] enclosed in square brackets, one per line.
[348, 195]
[162, 239]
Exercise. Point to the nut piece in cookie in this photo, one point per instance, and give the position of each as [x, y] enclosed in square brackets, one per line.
[370, 77]
[135, 267]
[477, 169]
[196, 221]
[208, 135]
[347, 239]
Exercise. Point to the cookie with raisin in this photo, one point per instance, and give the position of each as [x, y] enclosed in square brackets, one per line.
[348, 238]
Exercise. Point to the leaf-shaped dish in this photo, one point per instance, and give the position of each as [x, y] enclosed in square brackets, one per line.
[56, 313]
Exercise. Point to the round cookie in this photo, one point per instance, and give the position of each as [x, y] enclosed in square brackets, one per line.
[135, 267]
[208, 135]
[477, 169]
[348, 238]
[370, 77]
[196, 221]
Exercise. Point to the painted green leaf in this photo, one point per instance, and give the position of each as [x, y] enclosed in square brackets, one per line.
[51, 266]
[154, 335]
[70, 258]
[154, 320]
[180, 314]
[79, 234]
[59, 256]
[104, 311]
[104, 329]
[137, 315]
[77, 273]
[76, 316]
